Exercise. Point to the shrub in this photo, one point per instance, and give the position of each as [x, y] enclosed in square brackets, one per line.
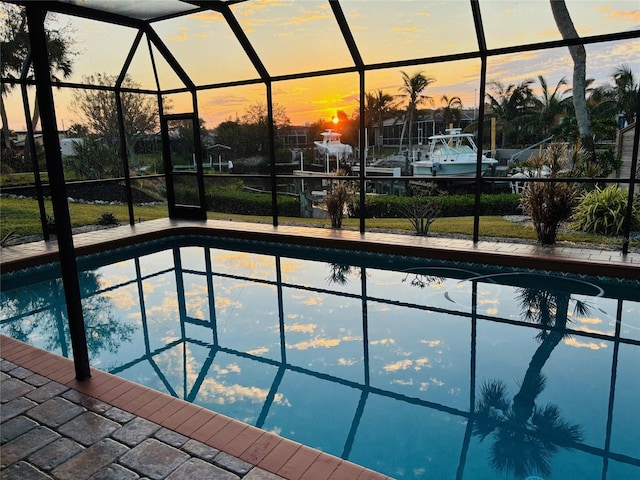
[108, 218]
[391, 206]
[232, 200]
[95, 158]
[550, 203]
[9, 238]
[602, 211]
[337, 199]
[421, 211]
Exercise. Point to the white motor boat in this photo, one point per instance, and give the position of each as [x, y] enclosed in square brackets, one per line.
[331, 147]
[451, 154]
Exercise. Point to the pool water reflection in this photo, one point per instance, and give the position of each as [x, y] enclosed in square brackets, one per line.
[412, 369]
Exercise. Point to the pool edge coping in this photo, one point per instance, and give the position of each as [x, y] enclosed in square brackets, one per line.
[484, 252]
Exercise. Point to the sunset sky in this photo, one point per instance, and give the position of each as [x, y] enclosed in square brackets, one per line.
[300, 36]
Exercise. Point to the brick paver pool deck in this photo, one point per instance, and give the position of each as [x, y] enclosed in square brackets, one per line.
[54, 426]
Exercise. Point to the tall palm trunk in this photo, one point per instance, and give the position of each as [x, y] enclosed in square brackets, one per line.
[5, 123]
[579, 57]
[524, 400]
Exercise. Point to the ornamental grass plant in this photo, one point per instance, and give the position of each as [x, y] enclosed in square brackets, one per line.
[603, 212]
[549, 203]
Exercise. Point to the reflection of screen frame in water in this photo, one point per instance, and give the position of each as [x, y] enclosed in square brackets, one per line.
[354, 288]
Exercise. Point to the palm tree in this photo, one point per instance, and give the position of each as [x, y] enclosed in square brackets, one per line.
[509, 103]
[379, 106]
[526, 436]
[550, 105]
[451, 110]
[579, 57]
[412, 89]
[16, 50]
[626, 92]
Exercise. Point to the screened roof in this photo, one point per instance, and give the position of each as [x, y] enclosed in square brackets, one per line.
[313, 49]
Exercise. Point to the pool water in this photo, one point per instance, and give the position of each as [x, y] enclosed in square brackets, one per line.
[415, 369]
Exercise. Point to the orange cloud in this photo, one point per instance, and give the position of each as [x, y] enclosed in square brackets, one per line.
[405, 29]
[631, 16]
[572, 342]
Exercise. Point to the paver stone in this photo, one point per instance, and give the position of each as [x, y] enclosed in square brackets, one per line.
[15, 408]
[23, 471]
[15, 427]
[232, 463]
[114, 472]
[154, 459]
[52, 455]
[55, 412]
[88, 428]
[26, 444]
[46, 391]
[196, 469]
[136, 431]
[89, 461]
[170, 437]
[13, 388]
[200, 450]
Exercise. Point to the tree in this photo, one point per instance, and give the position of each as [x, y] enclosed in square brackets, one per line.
[526, 435]
[256, 114]
[509, 103]
[579, 56]
[99, 114]
[15, 49]
[550, 105]
[412, 89]
[626, 93]
[379, 106]
[451, 110]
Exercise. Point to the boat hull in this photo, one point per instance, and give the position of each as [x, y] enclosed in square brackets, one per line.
[450, 168]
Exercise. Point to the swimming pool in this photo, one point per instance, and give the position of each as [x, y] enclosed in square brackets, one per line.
[412, 368]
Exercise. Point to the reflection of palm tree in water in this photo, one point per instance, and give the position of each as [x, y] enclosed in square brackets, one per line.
[526, 436]
[339, 273]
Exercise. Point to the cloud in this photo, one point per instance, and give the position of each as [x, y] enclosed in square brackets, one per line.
[437, 382]
[422, 362]
[222, 303]
[181, 37]
[572, 342]
[122, 298]
[347, 362]
[208, 16]
[384, 341]
[406, 383]
[632, 16]
[317, 300]
[298, 327]
[396, 366]
[111, 280]
[413, 29]
[431, 343]
[315, 343]
[312, 17]
[231, 368]
[258, 351]
[590, 320]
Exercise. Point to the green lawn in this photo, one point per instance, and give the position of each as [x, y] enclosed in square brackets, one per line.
[22, 216]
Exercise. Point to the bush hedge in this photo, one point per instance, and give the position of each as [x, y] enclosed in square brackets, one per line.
[390, 206]
[226, 200]
[234, 200]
